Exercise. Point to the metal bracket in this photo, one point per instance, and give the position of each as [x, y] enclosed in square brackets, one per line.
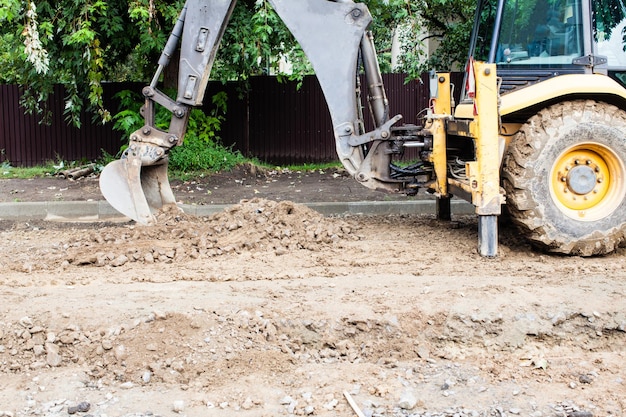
[160, 98]
[382, 132]
[590, 60]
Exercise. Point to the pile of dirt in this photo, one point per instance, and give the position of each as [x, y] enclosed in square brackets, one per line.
[256, 225]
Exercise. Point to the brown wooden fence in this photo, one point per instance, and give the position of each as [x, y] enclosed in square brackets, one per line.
[274, 122]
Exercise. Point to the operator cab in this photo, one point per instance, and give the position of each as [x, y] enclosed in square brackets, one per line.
[532, 40]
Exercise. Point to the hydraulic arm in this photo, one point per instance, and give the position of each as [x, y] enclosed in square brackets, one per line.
[335, 39]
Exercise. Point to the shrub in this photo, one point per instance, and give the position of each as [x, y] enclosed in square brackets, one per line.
[201, 150]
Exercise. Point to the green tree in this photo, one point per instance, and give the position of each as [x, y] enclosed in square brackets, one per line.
[608, 14]
[82, 43]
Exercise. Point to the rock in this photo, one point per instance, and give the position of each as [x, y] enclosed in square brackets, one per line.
[159, 315]
[309, 410]
[26, 322]
[148, 258]
[286, 400]
[146, 377]
[127, 385]
[68, 338]
[331, 404]
[422, 352]
[81, 407]
[247, 404]
[119, 261]
[407, 401]
[120, 353]
[53, 358]
[38, 350]
[178, 406]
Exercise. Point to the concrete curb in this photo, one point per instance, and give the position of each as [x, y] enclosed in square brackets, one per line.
[97, 211]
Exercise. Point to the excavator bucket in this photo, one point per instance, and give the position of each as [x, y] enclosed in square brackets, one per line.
[136, 191]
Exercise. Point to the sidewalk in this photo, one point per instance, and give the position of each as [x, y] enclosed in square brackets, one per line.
[95, 211]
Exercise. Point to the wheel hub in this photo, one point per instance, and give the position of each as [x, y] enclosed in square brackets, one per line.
[581, 179]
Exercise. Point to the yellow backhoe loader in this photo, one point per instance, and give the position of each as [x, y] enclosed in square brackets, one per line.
[540, 127]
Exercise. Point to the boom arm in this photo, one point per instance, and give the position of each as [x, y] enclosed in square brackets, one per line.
[334, 36]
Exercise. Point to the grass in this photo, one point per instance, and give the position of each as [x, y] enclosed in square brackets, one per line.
[51, 168]
[308, 167]
[7, 171]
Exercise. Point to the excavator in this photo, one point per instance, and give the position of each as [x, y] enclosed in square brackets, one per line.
[539, 129]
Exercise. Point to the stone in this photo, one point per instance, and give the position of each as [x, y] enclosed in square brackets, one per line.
[120, 352]
[26, 322]
[119, 261]
[53, 357]
[81, 407]
[178, 406]
[247, 404]
[146, 377]
[407, 401]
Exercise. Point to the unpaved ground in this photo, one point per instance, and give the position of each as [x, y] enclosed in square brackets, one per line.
[269, 309]
[243, 182]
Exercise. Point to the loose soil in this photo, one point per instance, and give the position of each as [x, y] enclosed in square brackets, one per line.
[270, 309]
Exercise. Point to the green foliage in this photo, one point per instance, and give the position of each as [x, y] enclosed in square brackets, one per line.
[48, 169]
[201, 150]
[79, 44]
[608, 15]
[128, 119]
[450, 22]
[84, 43]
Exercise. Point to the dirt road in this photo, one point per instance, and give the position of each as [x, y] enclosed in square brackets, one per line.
[269, 309]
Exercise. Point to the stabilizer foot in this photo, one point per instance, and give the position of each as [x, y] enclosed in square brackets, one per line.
[488, 235]
[443, 209]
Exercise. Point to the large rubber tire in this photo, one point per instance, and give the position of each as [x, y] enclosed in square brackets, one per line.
[565, 178]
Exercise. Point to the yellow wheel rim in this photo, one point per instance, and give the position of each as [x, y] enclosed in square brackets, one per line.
[587, 181]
